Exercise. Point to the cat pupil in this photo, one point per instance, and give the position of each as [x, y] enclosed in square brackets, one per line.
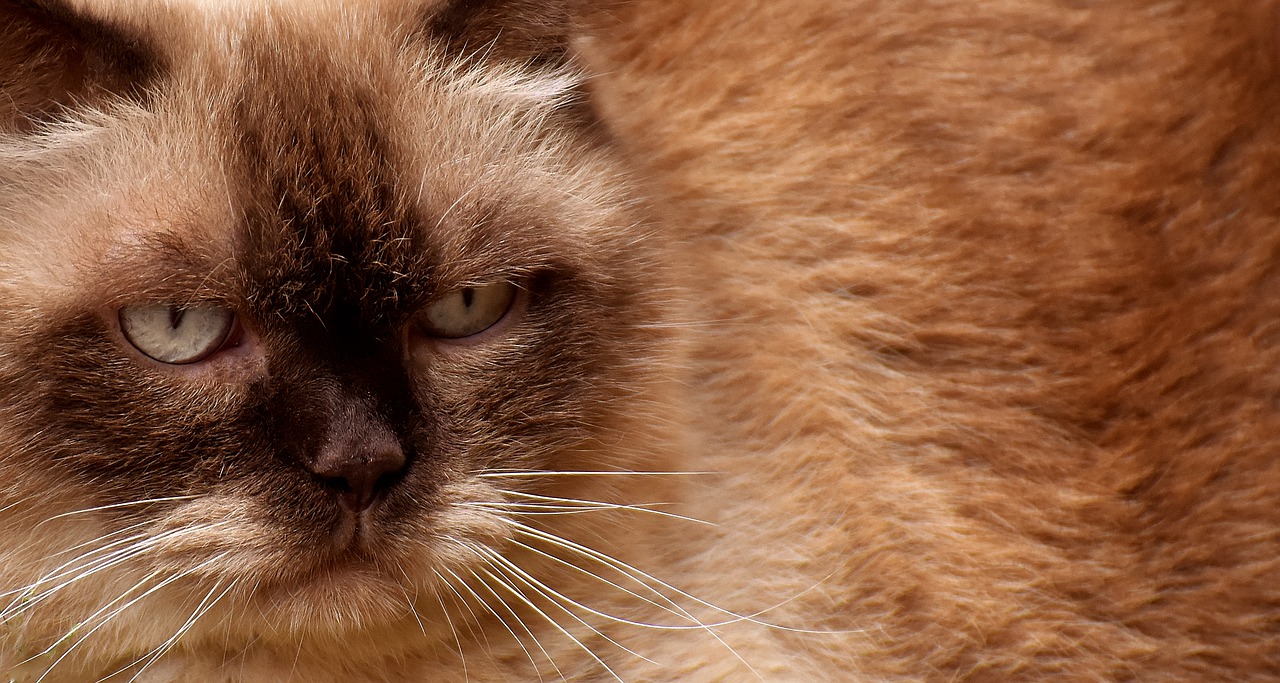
[468, 296]
[175, 317]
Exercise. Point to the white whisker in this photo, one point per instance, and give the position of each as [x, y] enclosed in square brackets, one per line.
[642, 577]
[203, 608]
[71, 633]
[623, 568]
[497, 474]
[62, 570]
[457, 640]
[475, 618]
[103, 563]
[556, 598]
[114, 613]
[597, 577]
[600, 505]
[115, 506]
[555, 624]
[103, 537]
[32, 598]
[505, 625]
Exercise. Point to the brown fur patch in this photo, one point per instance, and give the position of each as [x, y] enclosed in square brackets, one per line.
[52, 57]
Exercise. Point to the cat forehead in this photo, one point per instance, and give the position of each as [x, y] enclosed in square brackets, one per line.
[310, 149]
[325, 127]
[323, 150]
[343, 150]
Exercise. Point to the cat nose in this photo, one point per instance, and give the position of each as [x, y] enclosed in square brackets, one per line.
[359, 465]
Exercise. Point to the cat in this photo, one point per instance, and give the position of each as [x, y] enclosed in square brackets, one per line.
[652, 340]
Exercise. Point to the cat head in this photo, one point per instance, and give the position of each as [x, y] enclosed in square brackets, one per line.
[287, 293]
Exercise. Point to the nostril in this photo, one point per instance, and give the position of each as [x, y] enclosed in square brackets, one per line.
[360, 477]
[357, 455]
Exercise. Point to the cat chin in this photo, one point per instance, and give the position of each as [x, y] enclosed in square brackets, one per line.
[351, 620]
[352, 611]
[223, 574]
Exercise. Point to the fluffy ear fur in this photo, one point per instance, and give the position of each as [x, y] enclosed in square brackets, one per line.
[530, 31]
[53, 55]
[532, 34]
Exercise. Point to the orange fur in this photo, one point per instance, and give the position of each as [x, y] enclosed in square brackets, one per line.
[954, 316]
[994, 281]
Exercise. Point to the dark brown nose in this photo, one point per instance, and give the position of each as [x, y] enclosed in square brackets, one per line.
[360, 460]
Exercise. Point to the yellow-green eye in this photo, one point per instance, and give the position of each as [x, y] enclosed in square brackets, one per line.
[468, 310]
[177, 334]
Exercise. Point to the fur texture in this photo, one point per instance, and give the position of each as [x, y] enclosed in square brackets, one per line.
[855, 340]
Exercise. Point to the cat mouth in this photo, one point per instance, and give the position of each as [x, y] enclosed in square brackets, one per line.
[355, 536]
[350, 581]
[350, 531]
[372, 533]
[362, 509]
[353, 552]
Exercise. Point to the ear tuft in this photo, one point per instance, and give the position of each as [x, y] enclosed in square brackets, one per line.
[53, 56]
[535, 32]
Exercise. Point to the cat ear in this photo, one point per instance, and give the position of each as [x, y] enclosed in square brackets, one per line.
[529, 33]
[536, 32]
[54, 56]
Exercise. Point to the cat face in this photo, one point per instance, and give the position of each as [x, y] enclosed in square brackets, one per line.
[271, 325]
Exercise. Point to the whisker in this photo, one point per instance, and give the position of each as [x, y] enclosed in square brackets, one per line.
[99, 549]
[682, 612]
[114, 613]
[523, 626]
[595, 504]
[707, 628]
[115, 506]
[523, 598]
[31, 598]
[71, 633]
[91, 631]
[505, 473]
[562, 561]
[500, 562]
[203, 608]
[501, 620]
[111, 560]
[103, 537]
[409, 601]
[637, 574]
[457, 640]
[531, 510]
[62, 569]
[475, 619]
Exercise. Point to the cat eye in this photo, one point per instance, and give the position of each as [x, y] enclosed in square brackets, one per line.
[177, 335]
[468, 310]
